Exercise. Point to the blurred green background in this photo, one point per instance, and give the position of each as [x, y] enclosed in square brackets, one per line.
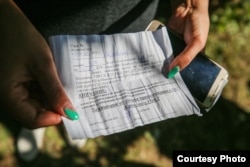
[225, 127]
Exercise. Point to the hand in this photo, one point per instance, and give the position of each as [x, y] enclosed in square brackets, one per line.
[30, 88]
[191, 20]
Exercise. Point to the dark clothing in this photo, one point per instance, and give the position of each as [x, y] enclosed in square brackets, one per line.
[53, 17]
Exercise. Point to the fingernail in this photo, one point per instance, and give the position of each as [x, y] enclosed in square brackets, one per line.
[173, 71]
[71, 114]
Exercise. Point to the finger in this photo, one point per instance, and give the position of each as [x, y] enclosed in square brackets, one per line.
[177, 20]
[47, 118]
[187, 55]
[32, 118]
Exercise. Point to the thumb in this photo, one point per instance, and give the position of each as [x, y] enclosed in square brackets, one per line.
[46, 74]
[188, 54]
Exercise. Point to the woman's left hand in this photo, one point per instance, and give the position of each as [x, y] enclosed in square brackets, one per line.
[191, 20]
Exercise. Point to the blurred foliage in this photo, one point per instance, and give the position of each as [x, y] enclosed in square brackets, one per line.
[228, 45]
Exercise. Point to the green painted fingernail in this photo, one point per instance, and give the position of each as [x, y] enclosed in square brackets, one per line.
[71, 114]
[173, 71]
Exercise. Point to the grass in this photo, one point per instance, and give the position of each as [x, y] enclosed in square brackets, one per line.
[225, 127]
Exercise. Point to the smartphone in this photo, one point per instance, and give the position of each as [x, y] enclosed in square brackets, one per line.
[204, 77]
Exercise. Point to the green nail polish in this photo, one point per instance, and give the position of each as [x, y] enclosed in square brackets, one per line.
[71, 114]
[173, 71]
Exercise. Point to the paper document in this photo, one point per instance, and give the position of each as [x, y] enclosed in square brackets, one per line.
[116, 81]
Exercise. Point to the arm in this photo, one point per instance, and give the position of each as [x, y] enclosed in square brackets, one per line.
[189, 18]
[30, 88]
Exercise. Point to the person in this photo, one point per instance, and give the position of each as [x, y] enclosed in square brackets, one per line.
[31, 91]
